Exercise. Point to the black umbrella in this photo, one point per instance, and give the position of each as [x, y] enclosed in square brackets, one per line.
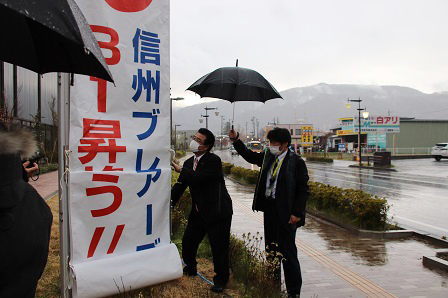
[49, 36]
[235, 84]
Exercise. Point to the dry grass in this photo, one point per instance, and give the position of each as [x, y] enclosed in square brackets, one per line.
[184, 287]
[49, 283]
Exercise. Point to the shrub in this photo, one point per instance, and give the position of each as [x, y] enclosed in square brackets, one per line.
[251, 176]
[241, 174]
[319, 159]
[226, 167]
[180, 153]
[49, 167]
[237, 172]
[362, 209]
[253, 267]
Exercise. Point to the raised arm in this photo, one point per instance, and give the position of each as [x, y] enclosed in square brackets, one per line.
[247, 154]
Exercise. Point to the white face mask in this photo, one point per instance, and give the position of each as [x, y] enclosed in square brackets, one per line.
[194, 146]
[275, 150]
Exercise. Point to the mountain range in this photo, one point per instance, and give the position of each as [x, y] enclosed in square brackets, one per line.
[321, 105]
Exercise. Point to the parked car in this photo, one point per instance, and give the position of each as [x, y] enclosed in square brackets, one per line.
[233, 151]
[439, 151]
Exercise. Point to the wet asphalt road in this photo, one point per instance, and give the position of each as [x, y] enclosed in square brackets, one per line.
[417, 192]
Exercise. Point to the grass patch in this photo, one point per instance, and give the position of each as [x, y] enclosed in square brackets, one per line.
[252, 267]
[49, 283]
[180, 153]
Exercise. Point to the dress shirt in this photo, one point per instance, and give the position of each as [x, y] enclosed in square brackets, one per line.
[280, 159]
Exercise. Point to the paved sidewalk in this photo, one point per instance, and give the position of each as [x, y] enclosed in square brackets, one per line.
[46, 185]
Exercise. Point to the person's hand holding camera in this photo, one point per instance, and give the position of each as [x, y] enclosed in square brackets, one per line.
[30, 170]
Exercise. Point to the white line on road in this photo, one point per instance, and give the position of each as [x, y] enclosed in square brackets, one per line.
[421, 223]
[390, 189]
[394, 176]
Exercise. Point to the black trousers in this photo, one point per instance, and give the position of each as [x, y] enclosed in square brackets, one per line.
[283, 234]
[219, 237]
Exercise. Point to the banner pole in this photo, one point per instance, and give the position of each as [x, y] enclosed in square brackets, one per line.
[63, 100]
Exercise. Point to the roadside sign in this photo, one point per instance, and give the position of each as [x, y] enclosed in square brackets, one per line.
[385, 124]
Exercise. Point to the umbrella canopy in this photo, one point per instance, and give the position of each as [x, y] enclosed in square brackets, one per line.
[235, 84]
[49, 36]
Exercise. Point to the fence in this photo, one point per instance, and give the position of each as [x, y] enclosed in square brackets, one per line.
[408, 151]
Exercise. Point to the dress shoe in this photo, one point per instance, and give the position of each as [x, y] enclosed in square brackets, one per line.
[217, 288]
[293, 296]
[188, 271]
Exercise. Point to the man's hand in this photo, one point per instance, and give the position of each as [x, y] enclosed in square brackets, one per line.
[294, 219]
[30, 171]
[233, 135]
[176, 167]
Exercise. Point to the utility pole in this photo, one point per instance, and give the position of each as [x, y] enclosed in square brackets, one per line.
[207, 115]
[253, 126]
[258, 127]
[171, 117]
[365, 115]
[222, 119]
[175, 136]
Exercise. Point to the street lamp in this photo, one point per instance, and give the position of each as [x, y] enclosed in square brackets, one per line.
[207, 115]
[365, 115]
[171, 115]
[175, 136]
[222, 119]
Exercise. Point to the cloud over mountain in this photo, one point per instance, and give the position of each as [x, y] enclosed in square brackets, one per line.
[321, 105]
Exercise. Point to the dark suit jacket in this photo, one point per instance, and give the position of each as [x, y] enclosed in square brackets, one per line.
[207, 187]
[292, 189]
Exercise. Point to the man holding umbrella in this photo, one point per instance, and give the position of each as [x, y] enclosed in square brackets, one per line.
[281, 193]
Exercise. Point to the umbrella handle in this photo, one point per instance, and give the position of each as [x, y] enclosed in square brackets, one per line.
[233, 118]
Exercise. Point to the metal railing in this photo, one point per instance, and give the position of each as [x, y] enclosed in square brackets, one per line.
[404, 151]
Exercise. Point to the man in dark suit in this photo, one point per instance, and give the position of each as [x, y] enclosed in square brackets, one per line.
[211, 211]
[281, 193]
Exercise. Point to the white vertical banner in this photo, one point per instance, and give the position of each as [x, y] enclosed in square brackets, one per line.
[120, 174]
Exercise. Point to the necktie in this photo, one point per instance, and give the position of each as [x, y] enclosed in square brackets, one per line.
[194, 169]
[195, 164]
[274, 171]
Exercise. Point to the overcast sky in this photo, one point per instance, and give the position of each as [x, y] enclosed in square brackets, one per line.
[296, 43]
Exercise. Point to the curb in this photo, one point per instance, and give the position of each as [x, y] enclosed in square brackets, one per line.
[435, 263]
[372, 168]
[237, 181]
[50, 196]
[393, 234]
